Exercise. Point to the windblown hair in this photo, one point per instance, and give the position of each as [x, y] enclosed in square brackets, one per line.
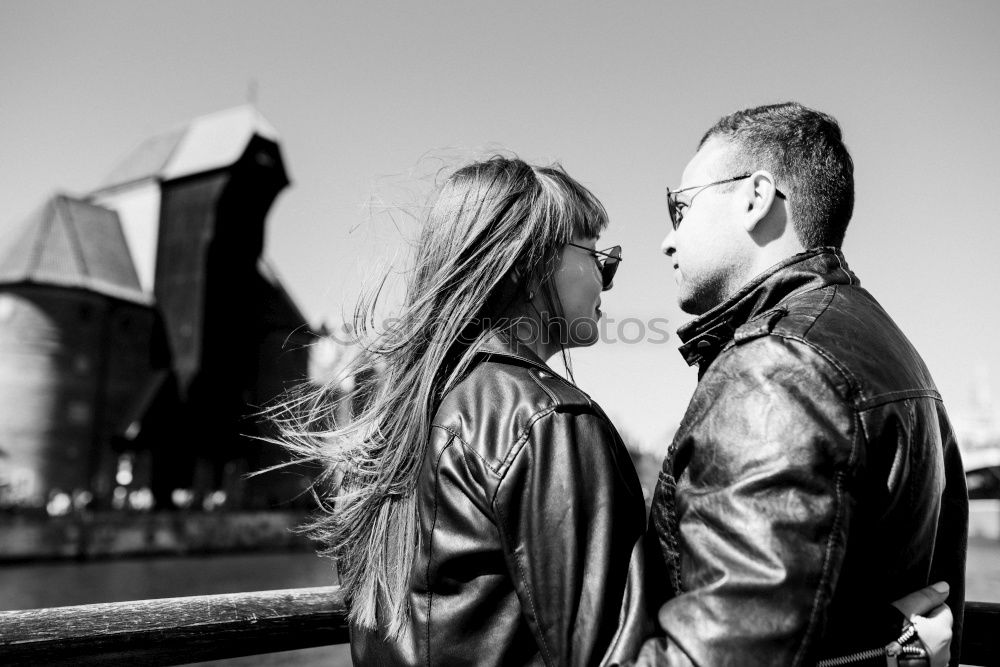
[487, 220]
[804, 150]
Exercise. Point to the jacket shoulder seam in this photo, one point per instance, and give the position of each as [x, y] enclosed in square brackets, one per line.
[846, 375]
[514, 449]
[884, 398]
[853, 385]
[858, 402]
[828, 299]
[518, 445]
[466, 447]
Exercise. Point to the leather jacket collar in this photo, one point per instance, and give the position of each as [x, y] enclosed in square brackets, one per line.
[504, 345]
[705, 336]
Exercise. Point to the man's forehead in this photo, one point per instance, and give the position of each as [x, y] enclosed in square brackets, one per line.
[706, 162]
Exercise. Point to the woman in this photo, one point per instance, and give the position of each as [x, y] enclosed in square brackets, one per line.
[483, 509]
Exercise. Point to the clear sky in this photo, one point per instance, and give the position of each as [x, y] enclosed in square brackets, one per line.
[619, 93]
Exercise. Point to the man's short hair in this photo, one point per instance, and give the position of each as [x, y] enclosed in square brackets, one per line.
[804, 151]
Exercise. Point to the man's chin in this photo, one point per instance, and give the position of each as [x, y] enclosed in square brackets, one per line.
[697, 302]
[691, 306]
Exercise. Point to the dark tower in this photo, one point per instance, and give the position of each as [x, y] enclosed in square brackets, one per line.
[193, 203]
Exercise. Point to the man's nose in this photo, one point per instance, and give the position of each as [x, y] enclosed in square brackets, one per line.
[668, 246]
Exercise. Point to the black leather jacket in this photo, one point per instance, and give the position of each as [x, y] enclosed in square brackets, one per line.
[814, 476]
[530, 511]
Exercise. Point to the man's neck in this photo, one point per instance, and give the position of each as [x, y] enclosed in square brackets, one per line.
[759, 263]
[768, 256]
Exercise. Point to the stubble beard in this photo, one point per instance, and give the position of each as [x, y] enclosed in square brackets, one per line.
[705, 296]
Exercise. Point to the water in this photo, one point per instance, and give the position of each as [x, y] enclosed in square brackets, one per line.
[32, 586]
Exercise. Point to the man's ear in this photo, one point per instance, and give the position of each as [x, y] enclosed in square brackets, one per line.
[760, 197]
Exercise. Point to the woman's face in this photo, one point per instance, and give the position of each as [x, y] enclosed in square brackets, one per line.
[577, 281]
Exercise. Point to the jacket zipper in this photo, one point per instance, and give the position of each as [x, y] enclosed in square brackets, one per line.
[891, 652]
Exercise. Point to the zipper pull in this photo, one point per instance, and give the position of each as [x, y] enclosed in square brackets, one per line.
[892, 651]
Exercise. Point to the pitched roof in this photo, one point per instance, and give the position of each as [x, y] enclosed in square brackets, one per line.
[209, 142]
[72, 243]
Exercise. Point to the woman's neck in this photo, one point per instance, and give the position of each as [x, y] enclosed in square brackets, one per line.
[529, 330]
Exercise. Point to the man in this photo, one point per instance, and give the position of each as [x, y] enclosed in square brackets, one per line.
[815, 469]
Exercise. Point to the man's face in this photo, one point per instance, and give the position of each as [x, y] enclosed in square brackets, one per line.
[706, 249]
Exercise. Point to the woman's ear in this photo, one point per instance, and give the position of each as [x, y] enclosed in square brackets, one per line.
[532, 287]
[529, 286]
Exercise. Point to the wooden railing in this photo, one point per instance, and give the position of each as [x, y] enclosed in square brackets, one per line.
[174, 631]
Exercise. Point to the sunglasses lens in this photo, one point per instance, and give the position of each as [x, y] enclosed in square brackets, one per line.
[610, 267]
[608, 275]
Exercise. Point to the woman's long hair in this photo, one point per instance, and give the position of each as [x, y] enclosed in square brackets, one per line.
[492, 227]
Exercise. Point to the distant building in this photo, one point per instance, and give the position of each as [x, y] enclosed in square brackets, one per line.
[141, 330]
[79, 340]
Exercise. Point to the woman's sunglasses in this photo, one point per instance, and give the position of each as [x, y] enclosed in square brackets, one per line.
[608, 260]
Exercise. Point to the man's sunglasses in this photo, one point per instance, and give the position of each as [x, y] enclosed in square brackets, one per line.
[675, 207]
[608, 261]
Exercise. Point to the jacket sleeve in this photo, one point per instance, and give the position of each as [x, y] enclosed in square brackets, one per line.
[570, 513]
[752, 530]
